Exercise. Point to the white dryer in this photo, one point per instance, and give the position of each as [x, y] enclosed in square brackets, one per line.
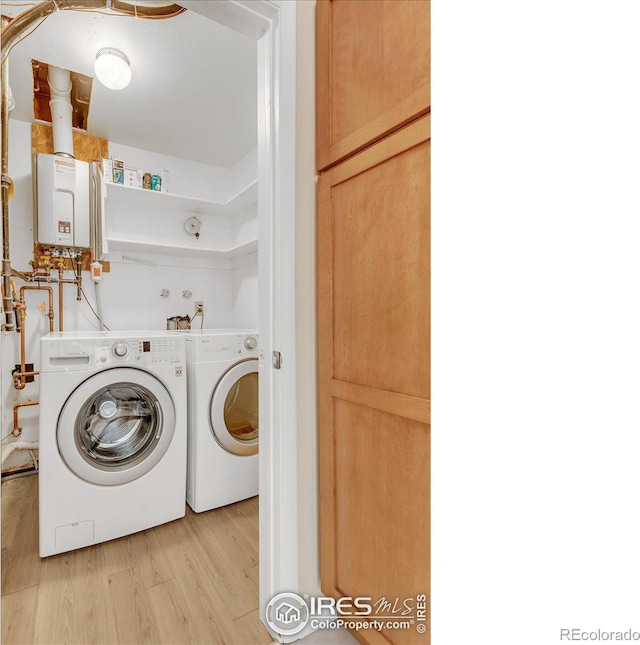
[113, 435]
[222, 462]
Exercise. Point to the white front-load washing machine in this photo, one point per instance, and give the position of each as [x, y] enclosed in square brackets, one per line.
[113, 435]
[222, 461]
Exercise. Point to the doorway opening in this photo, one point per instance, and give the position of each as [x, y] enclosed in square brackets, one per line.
[272, 25]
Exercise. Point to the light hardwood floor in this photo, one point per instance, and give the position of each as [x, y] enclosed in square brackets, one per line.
[194, 580]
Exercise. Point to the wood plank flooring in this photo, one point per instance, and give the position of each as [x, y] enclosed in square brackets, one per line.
[194, 580]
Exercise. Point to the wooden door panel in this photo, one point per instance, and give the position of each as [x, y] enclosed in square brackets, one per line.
[381, 260]
[373, 71]
[373, 356]
[381, 498]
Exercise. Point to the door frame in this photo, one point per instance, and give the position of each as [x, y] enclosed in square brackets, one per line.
[272, 23]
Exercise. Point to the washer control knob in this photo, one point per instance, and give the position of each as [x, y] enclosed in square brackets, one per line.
[250, 343]
[120, 349]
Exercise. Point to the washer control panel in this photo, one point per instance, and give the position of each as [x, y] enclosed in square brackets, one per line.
[70, 351]
[154, 351]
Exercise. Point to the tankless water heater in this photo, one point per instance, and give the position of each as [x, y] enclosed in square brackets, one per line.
[62, 203]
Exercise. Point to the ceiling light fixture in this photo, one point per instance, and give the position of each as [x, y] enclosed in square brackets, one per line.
[112, 68]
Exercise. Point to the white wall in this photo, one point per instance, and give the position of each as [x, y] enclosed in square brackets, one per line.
[130, 292]
[244, 287]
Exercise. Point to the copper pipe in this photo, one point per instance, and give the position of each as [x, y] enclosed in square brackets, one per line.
[14, 289]
[19, 378]
[16, 428]
[50, 313]
[32, 276]
[8, 303]
[14, 297]
[142, 11]
[18, 321]
[27, 277]
[27, 18]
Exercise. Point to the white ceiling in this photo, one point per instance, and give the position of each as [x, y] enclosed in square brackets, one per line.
[194, 88]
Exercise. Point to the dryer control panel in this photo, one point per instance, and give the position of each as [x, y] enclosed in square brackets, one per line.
[222, 347]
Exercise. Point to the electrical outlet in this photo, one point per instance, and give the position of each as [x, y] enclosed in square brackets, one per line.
[199, 305]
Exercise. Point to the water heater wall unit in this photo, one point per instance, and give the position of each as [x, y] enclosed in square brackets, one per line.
[62, 205]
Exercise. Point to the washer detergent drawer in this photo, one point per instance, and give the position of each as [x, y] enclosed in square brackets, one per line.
[65, 356]
[74, 536]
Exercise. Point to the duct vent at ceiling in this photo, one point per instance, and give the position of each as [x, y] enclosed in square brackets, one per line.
[80, 95]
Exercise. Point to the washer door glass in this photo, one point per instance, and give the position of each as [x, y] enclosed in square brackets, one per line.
[116, 426]
[234, 409]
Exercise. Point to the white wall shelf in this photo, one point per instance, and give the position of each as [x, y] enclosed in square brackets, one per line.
[118, 194]
[137, 219]
[193, 250]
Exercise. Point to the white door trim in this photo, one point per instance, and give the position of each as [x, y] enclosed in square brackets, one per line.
[273, 24]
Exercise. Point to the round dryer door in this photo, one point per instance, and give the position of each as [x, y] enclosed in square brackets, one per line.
[234, 409]
[116, 426]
